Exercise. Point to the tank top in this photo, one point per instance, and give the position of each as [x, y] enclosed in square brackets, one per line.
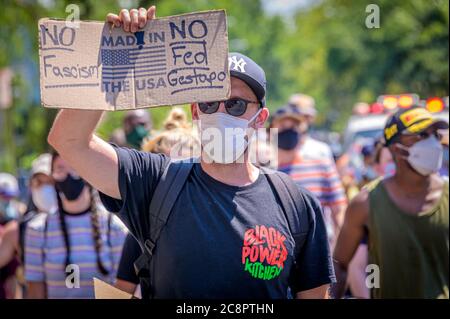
[411, 251]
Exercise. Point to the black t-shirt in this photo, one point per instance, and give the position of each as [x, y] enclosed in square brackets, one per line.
[220, 241]
[130, 252]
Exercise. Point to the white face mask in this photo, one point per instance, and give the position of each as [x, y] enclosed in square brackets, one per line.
[425, 156]
[44, 198]
[224, 137]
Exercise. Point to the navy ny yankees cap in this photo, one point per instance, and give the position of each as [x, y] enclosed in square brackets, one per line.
[244, 68]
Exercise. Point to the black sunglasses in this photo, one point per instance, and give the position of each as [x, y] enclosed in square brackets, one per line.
[234, 106]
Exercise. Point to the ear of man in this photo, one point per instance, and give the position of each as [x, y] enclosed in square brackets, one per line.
[262, 118]
[398, 151]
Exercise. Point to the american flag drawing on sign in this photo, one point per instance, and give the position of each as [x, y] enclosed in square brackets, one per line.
[144, 62]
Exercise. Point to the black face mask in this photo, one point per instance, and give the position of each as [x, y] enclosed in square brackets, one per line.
[71, 187]
[288, 139]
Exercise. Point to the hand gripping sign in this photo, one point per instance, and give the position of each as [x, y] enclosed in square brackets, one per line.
[173, 60]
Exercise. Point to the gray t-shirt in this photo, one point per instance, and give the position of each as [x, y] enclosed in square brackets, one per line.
[221, 241]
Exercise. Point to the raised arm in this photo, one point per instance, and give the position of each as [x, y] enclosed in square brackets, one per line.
[350, 236]
[72, 134]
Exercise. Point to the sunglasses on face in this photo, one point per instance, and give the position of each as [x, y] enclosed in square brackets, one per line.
[234, 106]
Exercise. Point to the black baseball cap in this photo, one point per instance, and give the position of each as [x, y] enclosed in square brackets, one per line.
[247, 70]
[413, 121]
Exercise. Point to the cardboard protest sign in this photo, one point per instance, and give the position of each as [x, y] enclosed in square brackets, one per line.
[173, 60]
[104, 290]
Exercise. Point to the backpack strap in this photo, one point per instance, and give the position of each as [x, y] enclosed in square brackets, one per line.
[292, 203]
[166, 193]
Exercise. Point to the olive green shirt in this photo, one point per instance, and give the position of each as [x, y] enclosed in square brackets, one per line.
[411, 251]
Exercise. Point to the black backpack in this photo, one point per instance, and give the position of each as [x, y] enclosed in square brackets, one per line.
[169, 187]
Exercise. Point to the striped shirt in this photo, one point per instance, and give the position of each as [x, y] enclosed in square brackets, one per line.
[320, 177]
[45, 252]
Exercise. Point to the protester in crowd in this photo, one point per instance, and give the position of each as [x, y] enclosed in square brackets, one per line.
[8, 265]
[384, 163]
[312, 148]
[406, 215]
[177, 133]
[136, 126]
[178, 140]
[368, 159]
[378, 162]
[224, 205]
[10, 207]
[10, 210]
[176, 119]
[43, 200]
[356, 278]
[347, 176]
[80, 239]
[42, 186]
[318, 174]
[176, 143]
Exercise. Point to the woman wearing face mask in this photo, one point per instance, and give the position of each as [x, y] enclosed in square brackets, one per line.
[42, 186]
[9, 213]
[43, 200]
[64, 251]
[406, 215]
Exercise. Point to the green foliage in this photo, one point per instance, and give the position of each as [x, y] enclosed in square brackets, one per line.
[340, 61]
[325, 50]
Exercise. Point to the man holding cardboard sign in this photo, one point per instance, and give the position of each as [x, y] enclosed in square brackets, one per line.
[168, 61]
[231, 232]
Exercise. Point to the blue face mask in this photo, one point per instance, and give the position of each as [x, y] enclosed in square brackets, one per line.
[8, 212]
[288, 139]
